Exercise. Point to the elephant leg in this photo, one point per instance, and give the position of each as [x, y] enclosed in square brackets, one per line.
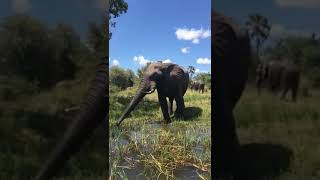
[164, 107]
[170, 104]
[180, 106]
[226, 142]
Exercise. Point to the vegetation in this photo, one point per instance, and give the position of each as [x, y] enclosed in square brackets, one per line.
[43, 72]
[285, 135]
[146, 147]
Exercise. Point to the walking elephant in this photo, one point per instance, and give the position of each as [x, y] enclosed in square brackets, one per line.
[92, 113]
[282, 76]
[232, 53]
[170, 80]
[197, 86]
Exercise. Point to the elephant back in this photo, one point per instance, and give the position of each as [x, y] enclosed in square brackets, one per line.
[232, 53]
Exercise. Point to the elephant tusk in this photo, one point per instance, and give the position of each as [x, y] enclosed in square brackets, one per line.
[151, 91]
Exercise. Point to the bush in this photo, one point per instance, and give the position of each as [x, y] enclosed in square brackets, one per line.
[121, 78]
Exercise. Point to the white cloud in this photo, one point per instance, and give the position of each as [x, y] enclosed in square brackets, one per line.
[141, 60]
[167, 61]
[192, 34]
[279, 30]
[299, 3]
[197, 71]
[115, 62]
[185, 50]
[204, 61]
[21, 6]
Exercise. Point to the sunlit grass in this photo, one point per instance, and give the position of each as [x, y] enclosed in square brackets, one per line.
[145, 145]
[267, 119]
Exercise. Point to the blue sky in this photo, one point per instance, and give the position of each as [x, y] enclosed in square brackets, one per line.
[77, 13]
[288, 17]
[169, 30]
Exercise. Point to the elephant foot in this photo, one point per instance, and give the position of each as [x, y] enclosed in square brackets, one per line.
[167, 121]
[179, 115]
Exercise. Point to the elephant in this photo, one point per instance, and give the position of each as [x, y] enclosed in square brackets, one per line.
[170, 80]
[232, 52]
[197, 86]
[282, 75]
[92, 113]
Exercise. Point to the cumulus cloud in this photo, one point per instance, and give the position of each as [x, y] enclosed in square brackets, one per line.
[197, 71]
[299, 3]
[141, 60]
[115, 62]
[192, 34]
[167, 61]
[204, 61]
[279, 30]
[185, 50]
[21, 6]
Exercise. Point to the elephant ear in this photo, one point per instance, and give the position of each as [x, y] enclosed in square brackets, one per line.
[166, 68]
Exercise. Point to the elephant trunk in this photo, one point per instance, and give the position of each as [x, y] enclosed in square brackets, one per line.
[134, 102]
[92, 113]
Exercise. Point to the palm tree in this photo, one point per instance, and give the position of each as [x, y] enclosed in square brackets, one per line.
[259, 29]
[191, 70]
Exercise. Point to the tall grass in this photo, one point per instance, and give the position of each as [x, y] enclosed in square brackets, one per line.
[267, 119]
[146, 147]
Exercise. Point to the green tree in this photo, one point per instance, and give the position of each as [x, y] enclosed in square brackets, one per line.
[117, 7]
[205, 78]
[121, 78]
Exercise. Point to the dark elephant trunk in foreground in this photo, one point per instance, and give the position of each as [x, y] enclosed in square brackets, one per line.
[134, 102]
[93, 112]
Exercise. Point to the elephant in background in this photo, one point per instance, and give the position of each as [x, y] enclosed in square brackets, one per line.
[170, 80]
[281, 75]
[197, 86]
[232, 52]
[92, 113]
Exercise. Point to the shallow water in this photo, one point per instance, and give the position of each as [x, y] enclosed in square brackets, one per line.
[130, 165]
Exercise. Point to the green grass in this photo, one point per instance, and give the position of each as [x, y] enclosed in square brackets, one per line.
[267, 120]
[145, 147]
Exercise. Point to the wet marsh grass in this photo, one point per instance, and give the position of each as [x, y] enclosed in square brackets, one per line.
[266, 119]
[147, 148]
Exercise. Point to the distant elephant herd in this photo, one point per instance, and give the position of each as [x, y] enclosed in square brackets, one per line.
[279, 75]
[231, 48]
[197, 86]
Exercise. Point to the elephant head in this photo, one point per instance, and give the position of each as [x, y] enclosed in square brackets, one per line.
[93, 112]
[153, 74]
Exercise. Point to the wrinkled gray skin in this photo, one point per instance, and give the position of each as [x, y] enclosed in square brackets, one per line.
[197, 86]
[232, 52]
[170, 80]
[92, 113]
[282, 76]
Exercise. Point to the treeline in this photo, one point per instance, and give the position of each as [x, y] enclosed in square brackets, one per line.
[45, 70]
[120, 78]
[300, 49]
[42, 55]
[304, 51]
